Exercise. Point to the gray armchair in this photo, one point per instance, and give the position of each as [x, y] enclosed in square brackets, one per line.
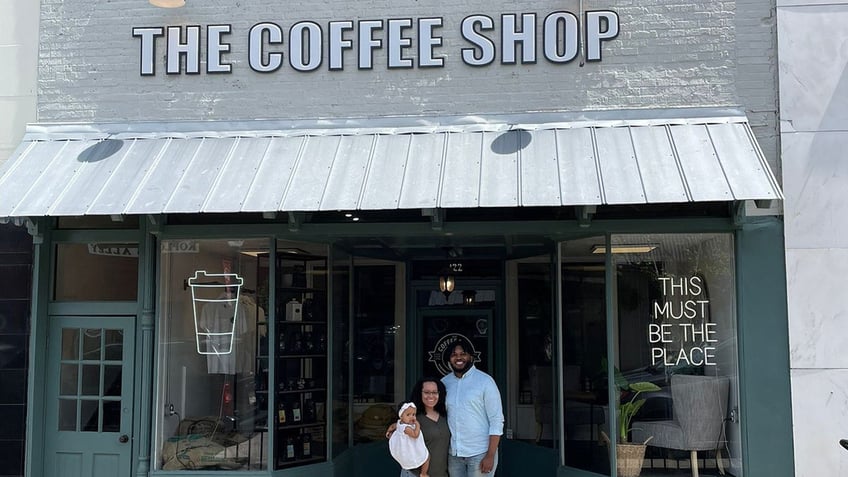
[542, 388]
[699, 407]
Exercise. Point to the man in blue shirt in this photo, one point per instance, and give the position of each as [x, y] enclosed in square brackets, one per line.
[475, 416]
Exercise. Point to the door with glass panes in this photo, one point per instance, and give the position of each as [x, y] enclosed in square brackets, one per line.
[89, 407]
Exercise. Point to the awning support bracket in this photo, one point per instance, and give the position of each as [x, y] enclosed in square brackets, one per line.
[437, 217]
[31, 226]
[295, 219]
[737, 211]
[155, 223]
[584, 214]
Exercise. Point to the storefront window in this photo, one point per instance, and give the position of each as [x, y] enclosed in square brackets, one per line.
[534, 420]
[675, 327]
[213, 355]
[368, 342]
[342, 435]
[584, 355]
[376, 323]
[96, 272]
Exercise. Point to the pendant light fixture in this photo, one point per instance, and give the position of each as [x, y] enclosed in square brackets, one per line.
[447, 283]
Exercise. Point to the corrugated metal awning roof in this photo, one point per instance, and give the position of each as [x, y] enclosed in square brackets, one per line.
[262, 166]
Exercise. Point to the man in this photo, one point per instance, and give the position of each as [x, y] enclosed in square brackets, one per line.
[475, 416]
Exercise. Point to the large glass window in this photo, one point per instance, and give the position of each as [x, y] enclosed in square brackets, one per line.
[368, 322]
[96, 272]
[675, 327]
[534, 419]
[585, 392]
[213, 355]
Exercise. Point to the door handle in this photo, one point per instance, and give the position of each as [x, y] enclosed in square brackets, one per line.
[124, 439]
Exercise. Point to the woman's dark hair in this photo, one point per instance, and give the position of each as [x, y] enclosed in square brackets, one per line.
[418, 388]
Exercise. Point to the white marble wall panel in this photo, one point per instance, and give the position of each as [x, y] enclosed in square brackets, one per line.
[803, 3]
[818, 316]
[813, 62]
[820, 418]
[19, 58]
[815, 180]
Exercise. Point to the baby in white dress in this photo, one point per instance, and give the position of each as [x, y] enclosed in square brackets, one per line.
[407, 446]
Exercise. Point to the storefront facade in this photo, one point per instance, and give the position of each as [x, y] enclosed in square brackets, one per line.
[257, 227]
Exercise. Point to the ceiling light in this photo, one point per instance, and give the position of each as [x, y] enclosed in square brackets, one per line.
[168, 3]
[636, 248]
[293, 251]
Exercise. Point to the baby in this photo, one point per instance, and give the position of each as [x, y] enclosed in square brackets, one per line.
[407, 446]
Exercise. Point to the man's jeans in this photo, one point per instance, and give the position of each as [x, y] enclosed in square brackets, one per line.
[469, 466]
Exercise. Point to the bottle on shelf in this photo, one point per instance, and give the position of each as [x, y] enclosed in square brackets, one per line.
[282, 413]
[290, 447]
[309, 344]
[306, 445]
[297, 416]
[282, 344]
[308, 306]
[308, 410]
[297, 346]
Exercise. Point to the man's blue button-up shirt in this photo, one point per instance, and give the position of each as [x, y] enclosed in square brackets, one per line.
[474, 412]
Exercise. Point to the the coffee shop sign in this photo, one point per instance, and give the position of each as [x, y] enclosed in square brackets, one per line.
[406, 43]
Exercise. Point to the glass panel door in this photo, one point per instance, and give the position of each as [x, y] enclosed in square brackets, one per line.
[89, 396]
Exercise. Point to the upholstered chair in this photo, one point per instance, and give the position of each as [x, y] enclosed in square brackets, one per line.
[542, 389]
[699, 409]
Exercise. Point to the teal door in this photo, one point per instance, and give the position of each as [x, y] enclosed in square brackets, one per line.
[88, 400]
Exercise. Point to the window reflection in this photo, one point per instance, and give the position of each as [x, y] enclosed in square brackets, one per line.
[214, 354]
[374, 366]
[675, 326]
[87, 271]
[90, 389]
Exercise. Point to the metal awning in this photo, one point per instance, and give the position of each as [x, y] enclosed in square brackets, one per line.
[389, 163]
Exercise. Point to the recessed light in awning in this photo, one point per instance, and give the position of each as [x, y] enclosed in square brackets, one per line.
[635, 248]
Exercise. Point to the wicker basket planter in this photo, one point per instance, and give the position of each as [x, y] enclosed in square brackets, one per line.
[628, 456]
[629, 459]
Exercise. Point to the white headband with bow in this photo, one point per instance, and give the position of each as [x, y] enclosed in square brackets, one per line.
[404, 407]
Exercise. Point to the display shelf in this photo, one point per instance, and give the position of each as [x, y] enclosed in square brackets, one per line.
[301, 358]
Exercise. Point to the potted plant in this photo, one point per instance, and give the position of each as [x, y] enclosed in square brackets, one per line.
[629, 455]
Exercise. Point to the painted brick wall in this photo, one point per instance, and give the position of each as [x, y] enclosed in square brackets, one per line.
[669, 53]
[756, 76]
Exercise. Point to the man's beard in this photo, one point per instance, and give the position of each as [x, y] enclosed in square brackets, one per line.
[464, 369]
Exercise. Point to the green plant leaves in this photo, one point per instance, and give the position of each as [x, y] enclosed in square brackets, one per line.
[643, 387]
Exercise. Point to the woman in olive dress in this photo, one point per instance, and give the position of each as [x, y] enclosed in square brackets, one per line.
[428, 394]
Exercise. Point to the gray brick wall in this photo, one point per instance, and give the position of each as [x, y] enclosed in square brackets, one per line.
[669, 53]
[756, 76]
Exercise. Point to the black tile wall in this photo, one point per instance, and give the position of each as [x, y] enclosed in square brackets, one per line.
[14, 315]
[15, 296]
[11, 458]
[14, 422]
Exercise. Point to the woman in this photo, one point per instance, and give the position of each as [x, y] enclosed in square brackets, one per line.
[428, 395]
